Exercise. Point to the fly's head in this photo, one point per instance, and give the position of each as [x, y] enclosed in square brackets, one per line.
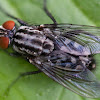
[7, 31]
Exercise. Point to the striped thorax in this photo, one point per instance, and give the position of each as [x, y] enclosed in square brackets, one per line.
[30, 41]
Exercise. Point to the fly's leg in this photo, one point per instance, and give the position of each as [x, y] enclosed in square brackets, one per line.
[11, 16]
[20, 76]
[15, 54]
[48, 13]
[24, 23]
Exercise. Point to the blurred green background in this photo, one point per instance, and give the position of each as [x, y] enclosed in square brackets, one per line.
[40, 87]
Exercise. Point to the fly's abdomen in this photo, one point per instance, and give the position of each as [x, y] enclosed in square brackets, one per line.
[31, 42]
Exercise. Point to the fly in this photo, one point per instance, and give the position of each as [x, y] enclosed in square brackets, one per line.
[64, 52]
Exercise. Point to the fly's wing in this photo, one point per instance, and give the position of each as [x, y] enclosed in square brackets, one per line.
[77, 78]
[75, 39]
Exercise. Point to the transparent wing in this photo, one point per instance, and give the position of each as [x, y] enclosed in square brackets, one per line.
[75, 39]
[81, 81]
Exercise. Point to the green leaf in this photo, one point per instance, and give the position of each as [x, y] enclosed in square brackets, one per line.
[40, 87]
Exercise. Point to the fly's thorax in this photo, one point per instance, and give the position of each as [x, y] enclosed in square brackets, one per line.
[28, 40]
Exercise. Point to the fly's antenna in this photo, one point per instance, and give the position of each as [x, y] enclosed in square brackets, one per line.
[11, 16]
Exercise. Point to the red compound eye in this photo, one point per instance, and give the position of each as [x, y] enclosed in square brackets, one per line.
[9, 25]
[4, 42]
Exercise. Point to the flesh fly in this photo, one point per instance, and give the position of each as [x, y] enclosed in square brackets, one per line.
[64, 52]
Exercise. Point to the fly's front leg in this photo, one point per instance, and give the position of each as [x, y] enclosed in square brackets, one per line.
[11, 16]
[20, 76]
[48, 13]
[15, 54]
